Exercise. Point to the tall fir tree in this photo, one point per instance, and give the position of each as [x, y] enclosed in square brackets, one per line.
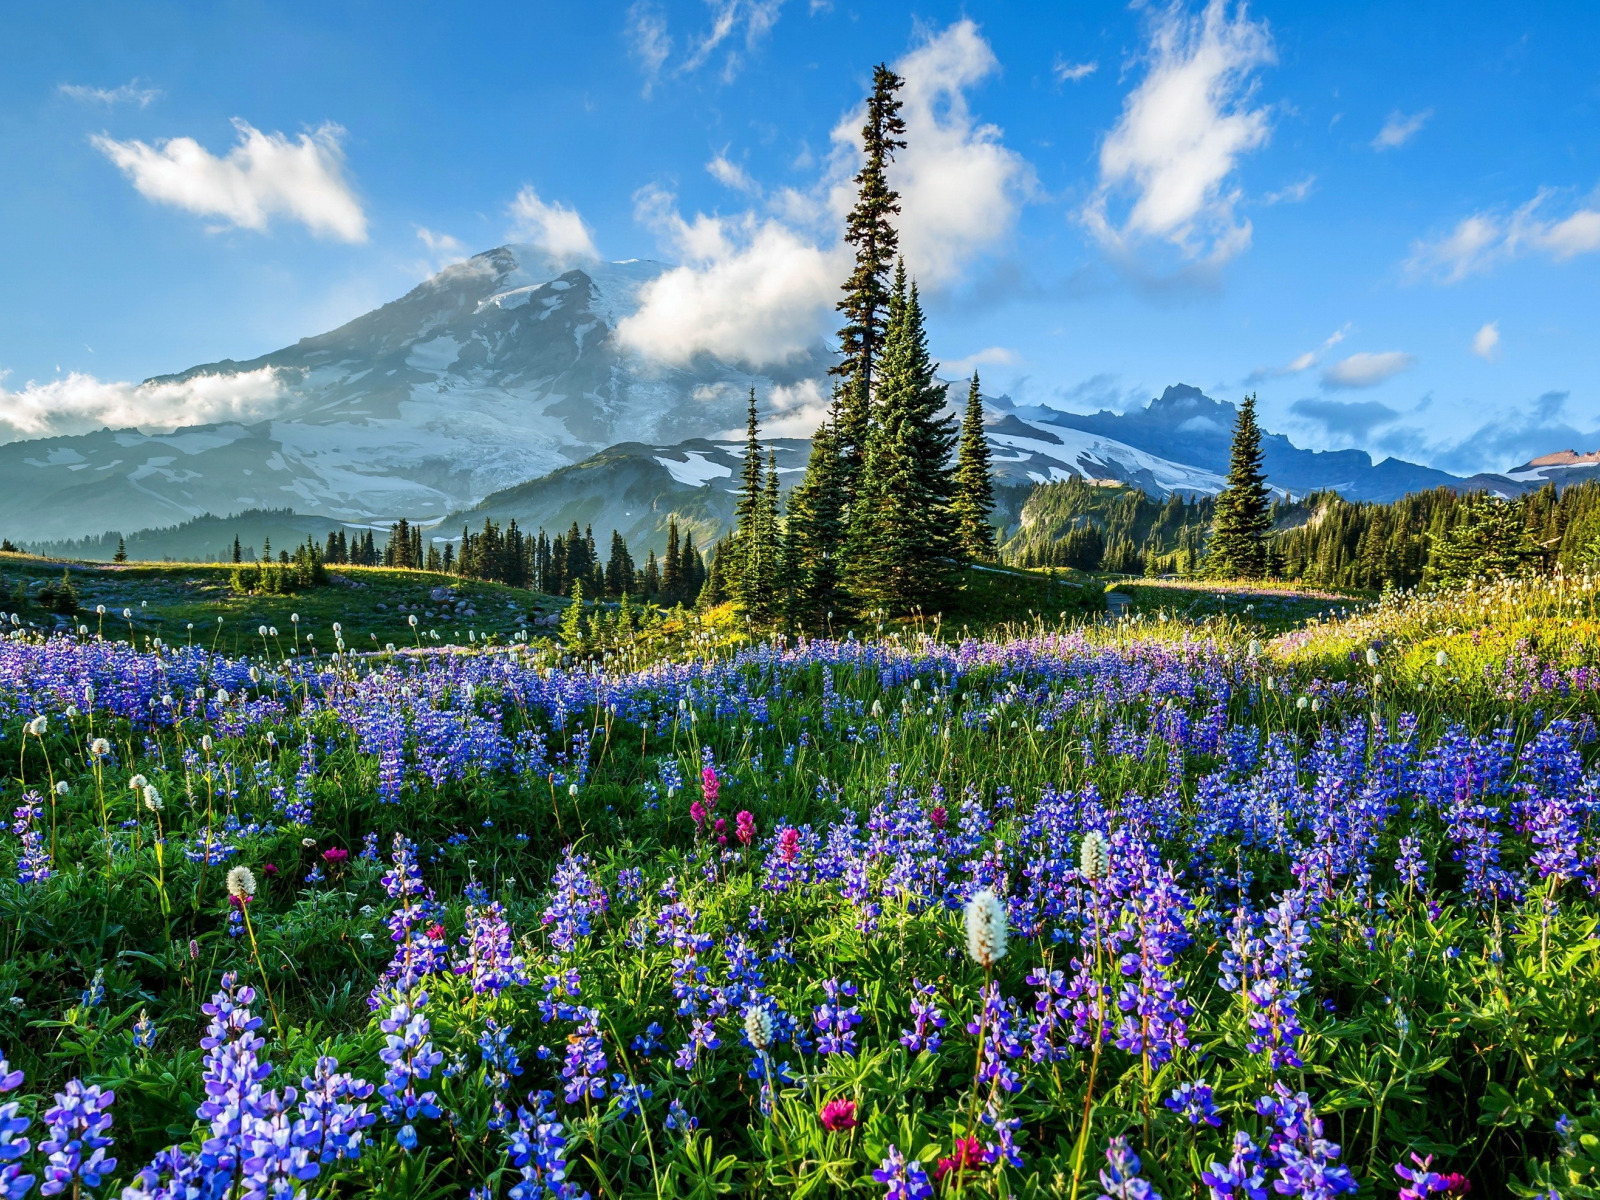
[1238, 545]
[671, 574]
[973, 498]
[815, 535]
[869, 228]
[902, 531]
[752, 565]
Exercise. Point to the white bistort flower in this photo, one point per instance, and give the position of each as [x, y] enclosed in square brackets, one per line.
[1094, 856]
[758, 1026]
[241, 883]
[986, 928]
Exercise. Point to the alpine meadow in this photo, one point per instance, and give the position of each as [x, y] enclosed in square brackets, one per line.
[624, 730]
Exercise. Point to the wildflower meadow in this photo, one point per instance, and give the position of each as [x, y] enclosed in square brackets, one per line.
[1149, 907]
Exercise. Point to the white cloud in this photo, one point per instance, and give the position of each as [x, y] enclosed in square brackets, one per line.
[1366, 370]
[1292, 194]
[731, 175]
[648, 40]
[752, 290]
[1301, 362]
[127, 93]
[1181, 135]
[439, 243]
[960, 187]
[1480, 241]
[1066, 72]
[1400, 129]
[759, 287]
[652, 45]
[990, 356]
[80, 403]
[1486, 342]
[266, 175]
[556, 229]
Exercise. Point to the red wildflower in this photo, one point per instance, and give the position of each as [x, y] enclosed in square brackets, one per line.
[789, 844]
[968, 1156]
[436, 931]
[710, 785]
[838, 1115]
[698, 814]
[744, 825]
[270, 870]
[938, 816]
[334, 856]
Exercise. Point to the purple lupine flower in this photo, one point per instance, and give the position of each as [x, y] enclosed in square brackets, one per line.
[903, 1180]
[835, 1020]
[578, 898]
[33, 862]
[77, 1125]
[1242, 1178]
[926, 1019]
[537, 1149]
[585, 1067]
[411, 1057]
[1411, 867]
[1120, 1177]
[492, 958]
[333, 1107]
[13, 1183]
[1193, 1101]
[419, 948]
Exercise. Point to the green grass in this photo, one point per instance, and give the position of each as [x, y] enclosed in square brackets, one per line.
[166, 598]
[1273, 607]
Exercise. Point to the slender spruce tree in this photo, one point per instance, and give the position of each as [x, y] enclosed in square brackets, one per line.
[870, 230]
[902, 533]
[751, 564]
[973, 500]
[1238, 545]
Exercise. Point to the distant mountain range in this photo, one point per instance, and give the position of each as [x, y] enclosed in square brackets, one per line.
[499, 388]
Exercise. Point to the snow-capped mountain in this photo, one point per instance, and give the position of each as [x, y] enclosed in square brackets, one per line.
[499, 387]
[496, 370]
[635, 487]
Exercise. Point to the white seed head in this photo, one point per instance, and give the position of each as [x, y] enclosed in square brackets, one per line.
[1302, 703]
[1440, 659]
[205, 743]
[100, 747]
[99, 610]
[986, 928]
[261, 630]
[758, 1026]
[137, 783]
[152, 798]
[127, 614]
[222, 695]
[38, 726]
[412, 620]
[1094, 856]
[1255, 648]
[241, 883]
[572, 789]
[61, 787]
[1372, 657]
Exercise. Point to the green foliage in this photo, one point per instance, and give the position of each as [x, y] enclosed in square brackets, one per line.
[901, 550]
[1238, 545]
[1132, 533]
[972, 498]
[1486, 539]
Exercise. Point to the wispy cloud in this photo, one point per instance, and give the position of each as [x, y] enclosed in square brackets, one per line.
[998, 356]
[731, 175]
[1480, 241]
[1181, 135]
[1069, 72]
[1292, 194]
[556, 229]
[1400, 129]
[1486, 342]
[1367, 370]
[128, 93]
[737, 28]
[266, 175]
[1301, 362]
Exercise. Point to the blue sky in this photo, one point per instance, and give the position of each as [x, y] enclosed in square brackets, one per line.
[1382, 218]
